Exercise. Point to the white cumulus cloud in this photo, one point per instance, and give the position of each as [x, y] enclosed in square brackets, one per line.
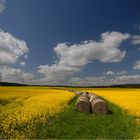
[105, 81]
[22, 63]
[126, 79]
[109, 73]
[88, 81]
[136, 39]
[112, 73]
[11, 48]
[137, 65]
[73, 58]
[15, 75]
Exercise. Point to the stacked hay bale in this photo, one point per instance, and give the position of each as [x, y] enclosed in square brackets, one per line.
[87, 102]
[98, 106]
[83, 103]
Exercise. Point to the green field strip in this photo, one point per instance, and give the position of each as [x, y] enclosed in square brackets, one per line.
[73, 124]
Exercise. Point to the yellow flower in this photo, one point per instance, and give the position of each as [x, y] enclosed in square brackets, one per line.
[26, 108]
[127, 99]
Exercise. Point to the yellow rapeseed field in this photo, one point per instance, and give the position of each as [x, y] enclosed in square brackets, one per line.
[24, 109]
[127, 99]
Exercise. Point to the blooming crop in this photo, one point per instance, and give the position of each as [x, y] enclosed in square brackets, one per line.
[23, 109]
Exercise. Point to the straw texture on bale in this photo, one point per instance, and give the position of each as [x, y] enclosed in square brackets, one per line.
[98, 106]
[85, 94]
[92, 97]
[83, 104]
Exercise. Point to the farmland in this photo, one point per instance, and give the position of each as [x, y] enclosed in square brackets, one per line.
[128, 99]
[43, 112]
[22, 110]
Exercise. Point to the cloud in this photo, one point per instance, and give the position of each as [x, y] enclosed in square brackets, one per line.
[55, 75]
[73, 58]
[88, 81]
[126, 79]
[109, 73]
[2, 5]
[104, 81]
[136, 39]
[74, 81]
[112, 73]
[22, 63]
[137, 65]
[11, 48]
[15, 75]
[26, 56]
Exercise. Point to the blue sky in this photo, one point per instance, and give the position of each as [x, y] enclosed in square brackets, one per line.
[68, 41]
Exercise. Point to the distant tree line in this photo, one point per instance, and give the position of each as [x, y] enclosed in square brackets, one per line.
[11, 84]
[111, 86]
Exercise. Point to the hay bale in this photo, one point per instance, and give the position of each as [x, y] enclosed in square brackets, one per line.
[83, 104]
[85, 94]
[98, 106]
[90, 94]
[92, 97]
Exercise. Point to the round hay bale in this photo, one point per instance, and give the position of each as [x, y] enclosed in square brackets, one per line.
[85, 94]
[83, 104]
[98, 106]
[93, 97]
[81, 93]
[89, 95]
[83, 97]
